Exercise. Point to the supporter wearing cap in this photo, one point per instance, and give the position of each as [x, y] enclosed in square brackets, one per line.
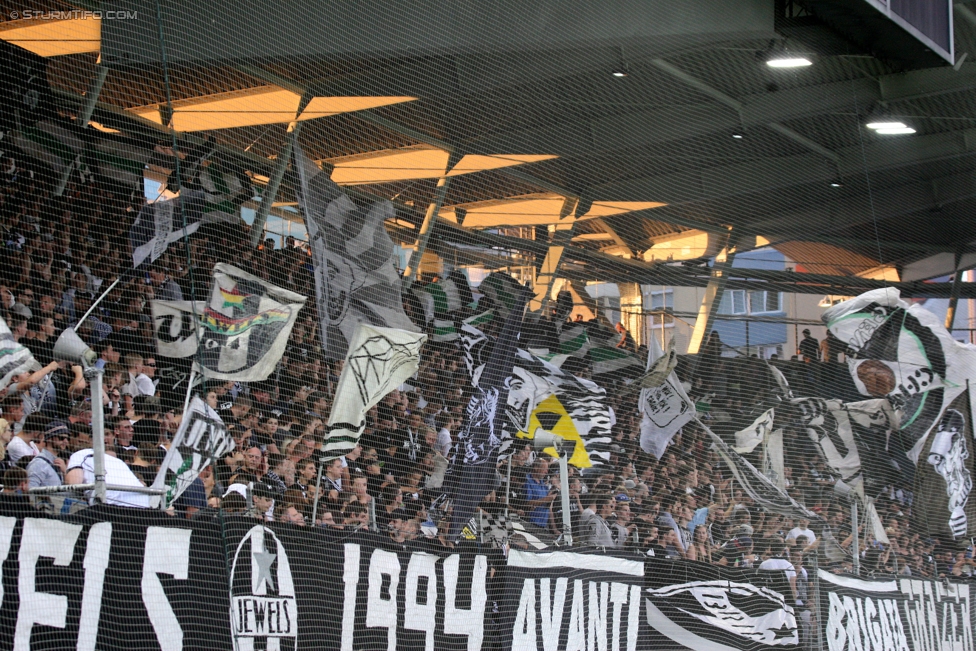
[47, 468]
[263, 497]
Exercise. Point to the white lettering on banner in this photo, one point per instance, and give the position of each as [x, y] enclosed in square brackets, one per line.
[588, 630]
[350, 580]
[380, 612]
[867, 624]
[552, 612]
[420, 603]
[458, 621]
[263, 607]
[417, 616]
[167, 552]
[7, 525]
[42, 539]
[264, 616]
[97, 548]
[939, 615]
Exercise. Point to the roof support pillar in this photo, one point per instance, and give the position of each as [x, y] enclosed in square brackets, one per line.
[713, 297]
[271, 190]
[427, 227]
[84, 117]
[954, 295]
[549, 271]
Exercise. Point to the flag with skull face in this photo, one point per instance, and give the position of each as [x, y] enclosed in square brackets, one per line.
[245, 326]
[944, 478]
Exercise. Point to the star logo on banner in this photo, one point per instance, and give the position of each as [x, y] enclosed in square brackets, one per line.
[264, 561]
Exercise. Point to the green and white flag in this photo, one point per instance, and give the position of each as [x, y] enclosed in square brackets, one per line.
[200, 439]
[14, 358]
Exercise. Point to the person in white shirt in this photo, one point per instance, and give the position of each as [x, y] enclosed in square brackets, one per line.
[444, 422]
[81, 470]
[802, 529]
[777, 561]
[139, 383]
[22, 444]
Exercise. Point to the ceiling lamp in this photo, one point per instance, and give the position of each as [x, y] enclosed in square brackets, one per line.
[786, 60]
[619, 72]
[889, 127]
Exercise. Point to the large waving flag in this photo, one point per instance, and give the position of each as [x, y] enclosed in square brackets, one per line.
[543, 396]
[475, 455]
[356, 280]
[664, 408]
[245, 326]
[903, 353]
[378, 361]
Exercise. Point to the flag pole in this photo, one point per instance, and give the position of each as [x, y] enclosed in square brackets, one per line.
[97, 301]
[318, 487]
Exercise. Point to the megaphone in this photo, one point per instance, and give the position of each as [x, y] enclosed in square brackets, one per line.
[71, 348]
[544, 439]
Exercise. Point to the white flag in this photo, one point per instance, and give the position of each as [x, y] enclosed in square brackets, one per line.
[377, 362]
[245, 326]
[176, 326]
[749, 437]
[664, 409]
[200, 439]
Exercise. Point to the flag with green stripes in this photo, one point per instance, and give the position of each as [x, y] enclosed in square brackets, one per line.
[607, 362]
[377, 362]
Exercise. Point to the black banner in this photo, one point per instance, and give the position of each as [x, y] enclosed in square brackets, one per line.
[902, 614]
[564, 600]
[710, 607]
[116, 579]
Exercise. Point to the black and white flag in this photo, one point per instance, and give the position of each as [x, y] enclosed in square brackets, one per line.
[200, 439]
[14, 357]
[176, 325]
[161, 223]
[903, 353]
[472, 471]
[944, 505]
[245, 326]
[356, 280]
[377, 362]
[757, 486]
[543, 396]
[664, 408]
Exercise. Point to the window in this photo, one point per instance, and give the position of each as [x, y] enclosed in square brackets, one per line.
[658, 301]
[739, 301]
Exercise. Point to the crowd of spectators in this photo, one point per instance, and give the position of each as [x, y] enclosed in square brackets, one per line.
[60, 254]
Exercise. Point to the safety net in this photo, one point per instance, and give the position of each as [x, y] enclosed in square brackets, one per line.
[470, 325]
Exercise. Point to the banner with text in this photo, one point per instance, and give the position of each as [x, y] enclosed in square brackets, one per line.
[898, 614]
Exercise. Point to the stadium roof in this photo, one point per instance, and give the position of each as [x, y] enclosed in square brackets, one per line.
[640, 123]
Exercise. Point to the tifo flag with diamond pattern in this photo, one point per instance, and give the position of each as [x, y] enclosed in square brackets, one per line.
[378, 361]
